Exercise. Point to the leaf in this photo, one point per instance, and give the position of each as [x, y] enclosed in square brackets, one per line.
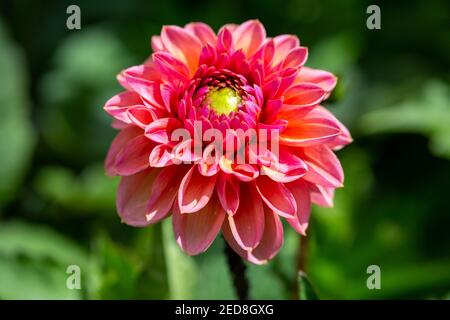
[34, 260]
[181, 268]
[91, 191]
[214, 270]
[305, 289]
[427, 113]
[116, 271]
[18, 140]
[34, 280]
[39, 242]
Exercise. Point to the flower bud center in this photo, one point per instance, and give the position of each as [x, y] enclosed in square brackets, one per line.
[223, 100]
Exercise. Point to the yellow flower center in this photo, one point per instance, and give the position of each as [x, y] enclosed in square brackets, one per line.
[223, 100]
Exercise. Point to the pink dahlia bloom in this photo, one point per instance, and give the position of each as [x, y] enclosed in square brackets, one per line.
[237, 79]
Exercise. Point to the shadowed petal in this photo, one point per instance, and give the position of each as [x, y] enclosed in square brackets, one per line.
[128, 153]
[271, 241]
[132, 197]
[247, 225]
[164, 192]
[196, 231]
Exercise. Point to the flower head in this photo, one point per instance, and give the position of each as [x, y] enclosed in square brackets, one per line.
[200, 93]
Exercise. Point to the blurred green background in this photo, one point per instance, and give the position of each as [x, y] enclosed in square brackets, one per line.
[57, 208]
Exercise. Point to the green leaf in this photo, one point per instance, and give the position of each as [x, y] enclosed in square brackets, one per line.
[427, 113]
[34, 260]
[91, 191]
[39, 242]
[116, 271]
[305, 289]
[17, 141]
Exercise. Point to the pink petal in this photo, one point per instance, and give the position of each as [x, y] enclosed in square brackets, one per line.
[182, 45]
[320, 195]
[288, 167]
[160, 130]
[128, 153]
[344, 138]
[313, 128]
[276, 196]
[118, 105]
[326, 80]
[170, 67]
[245, 172]
[271, 241]
[203, 32]
[324, 167]
[304, 94]
[196, 231]
[228, 189]
[195, 191]
[164, 191]
[302, 197]
[247, 225]
[284, 44]
[140, 116]
[296, 58]
[161, 156]
[157, 44]
[134, 156]
[132, 197]
[249, 36]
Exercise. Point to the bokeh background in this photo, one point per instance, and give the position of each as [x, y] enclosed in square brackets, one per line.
[57, 207]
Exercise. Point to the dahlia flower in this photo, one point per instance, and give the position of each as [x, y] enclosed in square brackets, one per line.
[233, 81]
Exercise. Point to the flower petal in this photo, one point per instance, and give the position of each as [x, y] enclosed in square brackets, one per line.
[195, 232]
[228, 189]
[302, 197]
[128, 153]
[313, 127]
[118, 105]
[304, 95]
[276, 196]
[132, 197]
[247, 225]
[195, 190]
[164, 191]
[286, 168]
[271, 241]
[182, 45]
[161, 129]
[326, 80]
[284, 44]
[249, 36]
[320, 195]
[324, 167]
[203, 32]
